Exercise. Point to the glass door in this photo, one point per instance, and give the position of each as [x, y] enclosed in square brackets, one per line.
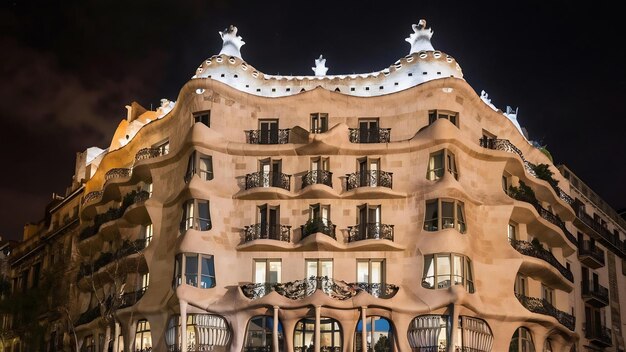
[268, 131]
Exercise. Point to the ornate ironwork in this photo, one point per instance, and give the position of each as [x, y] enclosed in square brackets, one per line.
[91, 196]
[596, 226]
[318, 225]
[320, 177]
[268, 179]
[257, 349]
[141, 196]
[369, 178]
[117, 172]
[598, 333]
[500, 144]
[566, 197]
[280, 136]
[542, 306]
[148, 153]
[370, 135]
[130, 298]
[595, 291]
[369, 231]
[585, 248]
[322, 349]
[267, 231]
[300, 289]
[88, 316]
[547, 215]
[529, 249]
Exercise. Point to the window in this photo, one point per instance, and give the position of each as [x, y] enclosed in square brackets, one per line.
[319, 267]
[369, 173]
[259, 334]
[270, 174]
[443, 270]
[547, 293]
[522, 341]
[436, 166]
[268, 131]
[433, 115]
[147, 187]
[145, 281]
[319, 212]
[163, 147]
[203, 117]
[267, 271]
[147, 234]
[452, 215]
[319, 123]
[330, 335]
[512, 233]
[269, 221]
[201, 165]
[89, 344]
[143, 338]
[521, 285]
[36, 275]
[194, 266]
[370, 271]
[196, 215]
[369, 131]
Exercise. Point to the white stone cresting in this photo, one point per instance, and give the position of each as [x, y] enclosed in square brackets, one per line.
[320, 68]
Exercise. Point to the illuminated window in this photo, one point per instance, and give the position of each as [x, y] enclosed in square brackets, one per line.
[196, 215]
[190, 267]
[434, 115]
[147, 234]
[145, 282]
[143, 337]
[203, 117]
[443, 270]
[440, 162]
[267, 271]
[444, 214]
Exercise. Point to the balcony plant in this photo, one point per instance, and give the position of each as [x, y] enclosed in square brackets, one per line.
[543, 172]
[523, 193]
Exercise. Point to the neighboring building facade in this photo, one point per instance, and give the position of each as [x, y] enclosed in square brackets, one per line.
[390, 211]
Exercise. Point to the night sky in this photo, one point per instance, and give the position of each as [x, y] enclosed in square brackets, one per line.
[67, 68]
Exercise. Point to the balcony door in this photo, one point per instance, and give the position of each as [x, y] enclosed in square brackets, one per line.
[321, 212]
[268, 221]
[368, 214]
[368, 172]
[268, 131]
[271, 171]
[319, 123]
[318, 166]
[369, 131]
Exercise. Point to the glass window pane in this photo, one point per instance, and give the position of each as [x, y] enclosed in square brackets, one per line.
[204, 219]
[311, 268]
[206, 168]
[327, 268]
[275, 271]
[377, 272]
[447, 218]
[443, 271]
[435, 166]
[259, 272]
[207, 272]
[429, 272]
[460, 217]
[430, 219]
[362, 269]
[191, 269]
[458, 270]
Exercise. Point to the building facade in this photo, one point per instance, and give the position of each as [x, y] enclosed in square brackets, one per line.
[390, 211]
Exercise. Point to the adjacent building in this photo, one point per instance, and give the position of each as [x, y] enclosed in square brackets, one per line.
[388, 211]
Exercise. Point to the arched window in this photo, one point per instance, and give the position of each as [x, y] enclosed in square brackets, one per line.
[429, 333]
[143, 337]
[330, 335]
[379, 334]
[476, 336]
[205, 332]
[259, 335]
[522, 341]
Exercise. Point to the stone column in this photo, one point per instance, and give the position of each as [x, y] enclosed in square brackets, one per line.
[454, 328]
[116, 337]
[183, 325]
[275, 330]
[318, 340]
[364, 329]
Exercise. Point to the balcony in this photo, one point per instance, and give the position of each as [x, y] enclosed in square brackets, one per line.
[371, 135]
[91, 196]
[596, 229]
[317, 177]
[529, 249]
[131, 298]
[370, 231]
[542, 306]
[318, 225]
[336, 289]
[268, 179]
[117, 173]
[369, 178]
[590, 255]
[598, 334]
[595, 294]
[88, 316]
[278, 136]
[148, 153]
[127, 248]
[267, 232]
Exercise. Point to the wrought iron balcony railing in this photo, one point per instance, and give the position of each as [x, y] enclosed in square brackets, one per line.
[542, 306]
[279, 136]
[548, 216]
[91, 196]
[336, 289]
[148, 153]
[268, 179]
[598, 333]
[317, 177]
[267, 231]
[602, 231]
[88, 316]
[369, 178]
[529, 249]
[130, 298]
[370, 135]
[595, 291]
[370, 231]
[322, 349]
[318, 225]
[585, 248]
[117, 172]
